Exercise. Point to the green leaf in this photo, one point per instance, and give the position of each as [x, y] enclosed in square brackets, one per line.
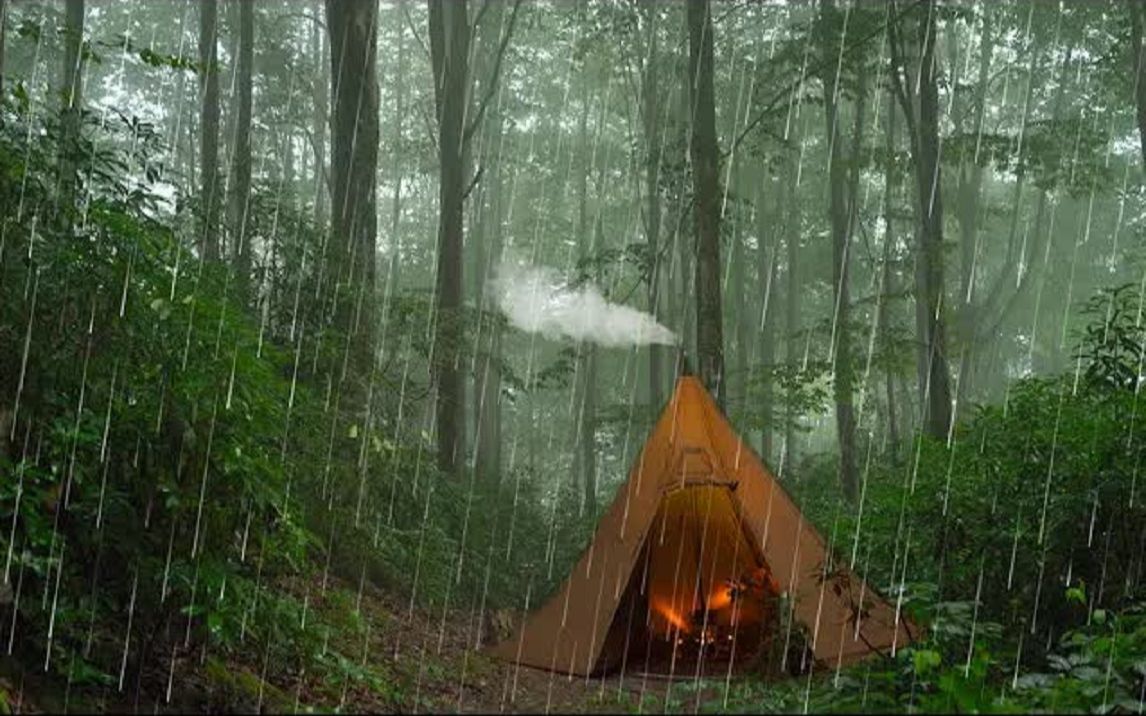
[925, 659]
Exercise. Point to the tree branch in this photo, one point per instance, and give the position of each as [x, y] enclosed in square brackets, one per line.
[492, 89]
[473, 183]
[824, 65]
[481, 13]
[314, 147]
[897, 60]
[413, 29]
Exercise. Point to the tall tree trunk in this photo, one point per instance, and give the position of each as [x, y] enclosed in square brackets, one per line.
[968, 199]
[931, 205]
[400, 80]
[239, 201]
[229, 110]
[449, 48]
[767, 249]
[792, 235]
[679, 278]
[585, 399]
[72, 107]
[582, 386]
[487, 419]
[3, 35]
[1137, 10]
[736, 392]
[320, 119]
[178, 151]
[651, 119]
[192, 145]
[890, 181]
[935, 387]
[841, 225]
[354, 160]
[209, 129]
[706, 190]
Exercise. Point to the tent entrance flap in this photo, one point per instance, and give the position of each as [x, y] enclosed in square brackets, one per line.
[700, 591]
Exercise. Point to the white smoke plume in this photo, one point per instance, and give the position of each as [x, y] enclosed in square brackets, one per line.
[536, 299]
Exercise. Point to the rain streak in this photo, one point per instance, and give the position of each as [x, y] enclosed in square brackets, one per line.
[572, 357]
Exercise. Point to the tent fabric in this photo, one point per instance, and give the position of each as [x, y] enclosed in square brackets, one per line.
[693, 446]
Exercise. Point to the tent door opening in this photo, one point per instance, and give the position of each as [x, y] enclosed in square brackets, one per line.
[700, 596]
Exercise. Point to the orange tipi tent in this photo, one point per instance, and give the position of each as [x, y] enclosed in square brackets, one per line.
[699, 512]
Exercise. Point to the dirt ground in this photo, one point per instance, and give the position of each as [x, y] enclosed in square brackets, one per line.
[407, 661]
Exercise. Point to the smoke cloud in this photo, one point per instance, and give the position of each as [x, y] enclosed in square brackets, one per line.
[536, 299]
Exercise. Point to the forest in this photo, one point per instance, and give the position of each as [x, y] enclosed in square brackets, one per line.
[338, 338]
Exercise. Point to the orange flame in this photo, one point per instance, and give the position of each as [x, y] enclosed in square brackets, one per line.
[720, 599]
[670, 615]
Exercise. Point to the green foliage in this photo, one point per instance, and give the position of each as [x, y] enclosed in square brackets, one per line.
[800, 389]
[1094, 669]
[1114, 340]
[146, 475]
[1023, 542]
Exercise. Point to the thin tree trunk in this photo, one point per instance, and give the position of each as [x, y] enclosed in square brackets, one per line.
[397, 165]
[1137, 10]
[651, 119]
[968, 198]
[239, 200]
[70, 115]
[931, 200]
[680, 298]
[934, 384]
[582, 385]
[192, 146]
[209, 129]
[792, 301]
[354, 159]
[288, 153]
[767, 249]
[229, 110]
[884, 314]
[706, 189]
[487, 455]
[3, 35]
[178, 151]
[585, 458]
[841, 210]
[449, 46]
[320, 120]
[737, 383]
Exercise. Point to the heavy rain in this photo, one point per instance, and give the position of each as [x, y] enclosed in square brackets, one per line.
[556, 356]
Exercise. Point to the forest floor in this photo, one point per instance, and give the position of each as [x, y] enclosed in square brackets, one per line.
[408, 661]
